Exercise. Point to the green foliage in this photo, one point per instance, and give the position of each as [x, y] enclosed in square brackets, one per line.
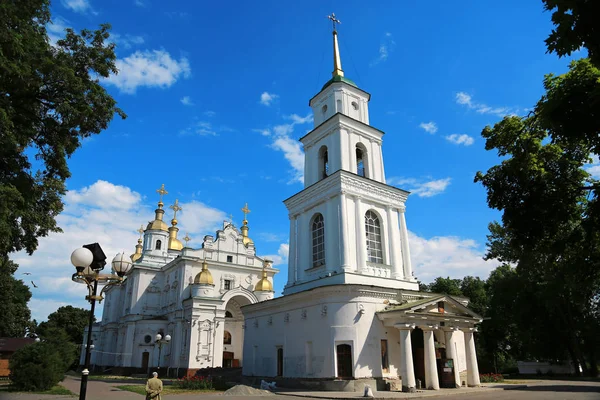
[59, 339]
[445, 286]
[576, 25]
[71, 319]
[14, 295]
[550, 226]
[36, 367]
[491, 378]
[50, 99]
[194, 383]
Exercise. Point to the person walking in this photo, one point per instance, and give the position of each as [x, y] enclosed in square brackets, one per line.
[154, 387]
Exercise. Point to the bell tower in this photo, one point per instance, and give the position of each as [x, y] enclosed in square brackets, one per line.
[347, 225]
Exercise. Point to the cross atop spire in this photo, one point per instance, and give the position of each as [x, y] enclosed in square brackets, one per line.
[334, 20]
[162, 192]
[187, 238]
[337, 61]
[141, 231]
[246, 211]
[175, 207]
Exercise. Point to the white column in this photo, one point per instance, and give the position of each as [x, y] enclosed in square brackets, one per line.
[407, 370]
[394, 244]
[292, 253]
[472, 367]
[431, 375]
[452, 353]
[332, 253]
[343, 239]
[129, 339]
[303, 247]
[361, 241]
[405, 248]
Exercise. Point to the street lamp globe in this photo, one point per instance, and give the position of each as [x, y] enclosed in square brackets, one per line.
[81, 258]
[121, 264]
[88, 272]
[158, 337]
[168, 338]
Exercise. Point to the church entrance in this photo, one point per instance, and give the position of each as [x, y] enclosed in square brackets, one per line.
[418, 351]
[344, 361]
[233, 332]
[145, 361]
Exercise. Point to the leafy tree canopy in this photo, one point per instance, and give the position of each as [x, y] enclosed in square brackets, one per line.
[50, 99]
[14, 295]
[71, 319]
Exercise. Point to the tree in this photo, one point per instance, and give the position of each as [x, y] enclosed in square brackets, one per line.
[576, 23]
[550, 226]
[71, 319]
[50, 99]
[446, 286]
[474, 289]
[37, 366]
[14, 296]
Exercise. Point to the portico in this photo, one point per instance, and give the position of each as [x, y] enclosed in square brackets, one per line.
[433, 334]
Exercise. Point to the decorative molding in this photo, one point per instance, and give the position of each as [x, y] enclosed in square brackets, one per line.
[303, 314]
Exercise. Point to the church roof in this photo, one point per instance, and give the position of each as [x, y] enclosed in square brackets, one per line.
[338, 78]
[420, 307]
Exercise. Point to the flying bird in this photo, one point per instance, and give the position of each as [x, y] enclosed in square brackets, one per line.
[26, 273]
[34, 285]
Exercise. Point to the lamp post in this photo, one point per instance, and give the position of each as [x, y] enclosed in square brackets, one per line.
[89, 260]
[159, 340]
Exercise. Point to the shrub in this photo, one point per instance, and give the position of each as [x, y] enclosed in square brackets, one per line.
[491, 378]
[195, 382]
[36, 367]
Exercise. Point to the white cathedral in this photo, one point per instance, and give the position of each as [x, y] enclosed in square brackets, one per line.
[351, 312]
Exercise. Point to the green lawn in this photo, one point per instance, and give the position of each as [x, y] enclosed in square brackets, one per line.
[56, 390]
[141, 389]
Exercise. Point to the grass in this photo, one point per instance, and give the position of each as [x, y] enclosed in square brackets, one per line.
[141, 389]
[57, 390]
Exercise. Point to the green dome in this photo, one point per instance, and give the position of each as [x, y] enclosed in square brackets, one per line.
[338, 78]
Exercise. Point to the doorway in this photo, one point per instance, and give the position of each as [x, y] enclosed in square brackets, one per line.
[418, 351]
[145, 361]
[227, 359]
[280, 361]
[344, 361]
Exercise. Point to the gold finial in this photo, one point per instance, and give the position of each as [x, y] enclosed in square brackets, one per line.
[162, 192]
[337, 61]
[175, 207]
[187, 238]
[141, 230]
[246, 211]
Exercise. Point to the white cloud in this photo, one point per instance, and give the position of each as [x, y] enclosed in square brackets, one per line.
[80, 6]
[282, 255]
[291, 148]
[126, 41]
[186, 101]
[209, 113]
[466, 99]
[447, 256]
[109, 215]
[150, 69]
[421, 188]
[267, 98]
[386, 46]
[201, 128]
[56, 29]
[139, 3]
[594, 167]
[460, 139]
[429, 127]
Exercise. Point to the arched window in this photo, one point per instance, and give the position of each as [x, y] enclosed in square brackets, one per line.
[361, 160]
[323, 163]
[158, 245]
[226, 337]
[318, 241]
[373, 228]
[228, 314]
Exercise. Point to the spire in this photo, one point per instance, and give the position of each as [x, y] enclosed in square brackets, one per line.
[174, 243]
[158, 223]
[138, 247]
[337, 61]
[264, 285]
[244, 228]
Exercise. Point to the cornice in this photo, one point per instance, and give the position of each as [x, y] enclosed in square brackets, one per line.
[341, 121]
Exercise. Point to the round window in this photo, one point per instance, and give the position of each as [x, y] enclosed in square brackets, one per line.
[324, 109]
[147, 339]
[355, 105]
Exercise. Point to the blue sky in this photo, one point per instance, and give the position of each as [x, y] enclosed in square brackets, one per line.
[217, 94]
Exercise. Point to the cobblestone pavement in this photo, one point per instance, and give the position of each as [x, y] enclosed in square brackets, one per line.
[538, 390]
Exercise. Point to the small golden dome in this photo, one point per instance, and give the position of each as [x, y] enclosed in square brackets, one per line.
[204, 277]
[245, 238]
[158, 224]
[264, 285]
[175, 244]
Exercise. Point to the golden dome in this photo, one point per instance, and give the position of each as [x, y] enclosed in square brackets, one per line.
[174, 243]
[138, 251]
[264, 285]
[204, 277]
[245, 238]
[158, 224]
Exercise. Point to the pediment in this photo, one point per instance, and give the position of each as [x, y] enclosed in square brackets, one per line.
[442, 306]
